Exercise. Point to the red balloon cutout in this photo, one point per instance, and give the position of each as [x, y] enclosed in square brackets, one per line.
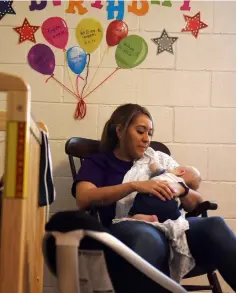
[116, 31]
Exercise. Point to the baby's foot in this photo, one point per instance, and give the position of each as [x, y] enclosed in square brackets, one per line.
[147, 218]
[153, 218]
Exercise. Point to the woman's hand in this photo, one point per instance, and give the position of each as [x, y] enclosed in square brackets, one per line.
[161, 189]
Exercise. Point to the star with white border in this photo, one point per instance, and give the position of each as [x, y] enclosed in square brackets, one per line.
[6, 8]
[165, 43]
[194, 24]
[26, 31]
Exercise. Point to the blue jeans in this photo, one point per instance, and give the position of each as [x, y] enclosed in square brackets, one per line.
[210, 240]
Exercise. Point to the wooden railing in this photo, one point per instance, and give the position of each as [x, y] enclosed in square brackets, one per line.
[22, 220]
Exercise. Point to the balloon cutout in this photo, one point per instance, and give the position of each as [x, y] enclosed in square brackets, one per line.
[116, 31]
[76, 59]
[55, 31]
[41, 58]
[131, 52]
[89, 34]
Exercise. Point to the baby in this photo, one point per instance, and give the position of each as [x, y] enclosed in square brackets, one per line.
[150, 208]
[187, 174]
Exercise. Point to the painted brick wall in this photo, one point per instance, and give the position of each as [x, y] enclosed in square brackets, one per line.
[191, 94]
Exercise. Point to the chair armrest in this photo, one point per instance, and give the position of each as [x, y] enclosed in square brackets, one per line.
[93, 210]
[202, 209]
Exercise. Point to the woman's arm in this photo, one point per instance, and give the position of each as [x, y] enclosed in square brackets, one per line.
[87, 193]
[191, 200]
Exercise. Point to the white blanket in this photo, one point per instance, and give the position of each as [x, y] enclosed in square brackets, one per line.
[180, 259]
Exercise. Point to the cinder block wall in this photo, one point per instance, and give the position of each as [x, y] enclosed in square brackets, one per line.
[191, 94]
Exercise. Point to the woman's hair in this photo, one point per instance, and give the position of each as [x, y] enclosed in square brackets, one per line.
[123, 116]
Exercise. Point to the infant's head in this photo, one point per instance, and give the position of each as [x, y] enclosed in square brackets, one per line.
[191, 175]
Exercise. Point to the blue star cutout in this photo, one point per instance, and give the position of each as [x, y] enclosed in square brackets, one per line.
[6, 8]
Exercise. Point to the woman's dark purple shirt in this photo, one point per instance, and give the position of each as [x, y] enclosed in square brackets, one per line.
[103, 169]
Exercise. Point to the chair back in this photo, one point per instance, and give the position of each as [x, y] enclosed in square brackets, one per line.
[78, 147]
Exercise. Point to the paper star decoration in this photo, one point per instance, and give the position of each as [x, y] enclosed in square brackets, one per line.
[164, 42]
[26, 31]
[193, 24]
[6, 8]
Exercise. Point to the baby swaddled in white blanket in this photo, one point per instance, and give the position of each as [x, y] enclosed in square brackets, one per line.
[173, 226]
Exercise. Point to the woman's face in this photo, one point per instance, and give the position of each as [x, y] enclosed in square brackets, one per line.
[137, 137]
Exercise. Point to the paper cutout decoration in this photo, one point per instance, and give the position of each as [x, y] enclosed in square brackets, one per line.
[165, 43]
[140, 11]
[40, 5]
[116, 31]
[89, 34]
[131, 52]
[76, 5]
[34, 5]
[56, 2]
[55, 31]
[26, 32]
[186, 5]
[6, 8]
[97, 4]
[76, 59]
[166, 3]
[41, 58]
[193, 24]
[112, 8]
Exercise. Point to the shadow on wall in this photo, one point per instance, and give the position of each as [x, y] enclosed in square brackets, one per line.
[63, 184]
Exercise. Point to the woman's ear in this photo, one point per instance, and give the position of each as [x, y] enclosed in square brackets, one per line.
[119, 130]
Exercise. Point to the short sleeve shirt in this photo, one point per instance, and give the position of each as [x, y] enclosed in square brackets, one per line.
[105, 169]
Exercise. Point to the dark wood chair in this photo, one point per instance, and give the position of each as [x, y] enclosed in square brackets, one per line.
[77, 147]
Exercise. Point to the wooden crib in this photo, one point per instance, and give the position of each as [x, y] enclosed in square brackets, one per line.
[22, 220]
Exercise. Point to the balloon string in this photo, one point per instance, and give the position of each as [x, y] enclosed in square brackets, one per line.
[87, 73]
[77, 85]
[102, 82]
[59, 82]
[68, 73]
[101, 60]
[81, 110]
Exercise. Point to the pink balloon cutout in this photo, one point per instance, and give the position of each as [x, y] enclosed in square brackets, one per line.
[55, 31]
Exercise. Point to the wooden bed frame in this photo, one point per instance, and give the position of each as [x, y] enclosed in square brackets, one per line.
[22, 220]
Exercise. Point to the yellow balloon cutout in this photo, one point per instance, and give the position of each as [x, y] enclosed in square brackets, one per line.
[89, 34]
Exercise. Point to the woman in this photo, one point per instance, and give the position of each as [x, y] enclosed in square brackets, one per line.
[126, 137]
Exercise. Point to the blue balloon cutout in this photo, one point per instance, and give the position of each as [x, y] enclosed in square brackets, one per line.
[76, 59]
